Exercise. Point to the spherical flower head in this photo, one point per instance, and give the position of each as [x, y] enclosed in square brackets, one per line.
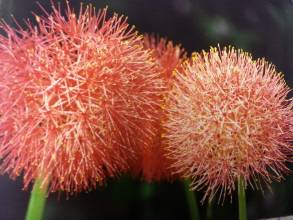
[74, 90]
[152, 162]
[229, 118]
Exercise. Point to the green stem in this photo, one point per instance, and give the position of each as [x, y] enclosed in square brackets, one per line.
[147, 190]
[191, 200]
[37, 202]
[241, 200]
[209, 212]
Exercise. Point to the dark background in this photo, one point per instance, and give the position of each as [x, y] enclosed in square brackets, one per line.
[262, 27]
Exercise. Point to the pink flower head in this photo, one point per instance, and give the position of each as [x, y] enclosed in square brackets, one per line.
[74, 92]
[153, 163]
[229, 118]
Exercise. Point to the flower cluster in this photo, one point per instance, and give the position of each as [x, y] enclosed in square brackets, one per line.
[152, 162]
[74, 92]
[228, 118]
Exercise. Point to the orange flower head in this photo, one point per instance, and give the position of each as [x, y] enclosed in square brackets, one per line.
[74, 90]
[229, 118]
[152, 162]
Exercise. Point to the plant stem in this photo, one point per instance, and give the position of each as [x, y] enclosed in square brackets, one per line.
[209, 212]
[191, 200]
[241, 200]
[37, 202]
[147, 190]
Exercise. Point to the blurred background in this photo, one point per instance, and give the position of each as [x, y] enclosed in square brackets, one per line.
[263, 28]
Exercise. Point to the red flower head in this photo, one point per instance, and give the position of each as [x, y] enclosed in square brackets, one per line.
[228, 118]
[153, 162]
[74, 90]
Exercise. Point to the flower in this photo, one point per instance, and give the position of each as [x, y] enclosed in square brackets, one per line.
[74, 91]
[152, 161]
[229, 118]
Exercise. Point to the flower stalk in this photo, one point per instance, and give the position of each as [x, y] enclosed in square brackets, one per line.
[209, 211]
[191, 200]
[37, 201]
[241, 200]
